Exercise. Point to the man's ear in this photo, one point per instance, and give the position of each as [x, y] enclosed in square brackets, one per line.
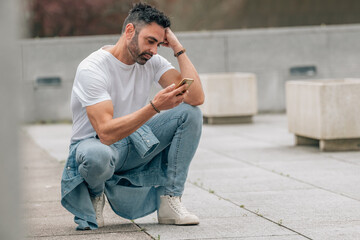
[129, 31]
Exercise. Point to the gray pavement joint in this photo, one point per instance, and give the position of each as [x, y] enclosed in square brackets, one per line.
[251, 211]
[342, 160]
[143, 230]
[284, 175]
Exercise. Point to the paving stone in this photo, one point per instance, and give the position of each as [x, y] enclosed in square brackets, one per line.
[205, 159]
[38, 209]
[272, 154]
[255, 165]
[349, 157]
[253, 152]
[64, 225]
[348, 230]
[272, 237]
[324, 172]
[139, 235]
[223, 228]
[42, 193]
[301, 209]
[217, 218]
[53, 137]
[248, 179]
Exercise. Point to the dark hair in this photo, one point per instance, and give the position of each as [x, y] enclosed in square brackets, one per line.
[143, 13]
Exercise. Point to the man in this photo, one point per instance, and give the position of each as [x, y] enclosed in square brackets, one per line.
[121, 145]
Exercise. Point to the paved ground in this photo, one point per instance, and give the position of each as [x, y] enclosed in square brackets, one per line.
[246, 181]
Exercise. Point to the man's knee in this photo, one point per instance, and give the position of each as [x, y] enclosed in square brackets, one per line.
[193, 113]
[95, 160]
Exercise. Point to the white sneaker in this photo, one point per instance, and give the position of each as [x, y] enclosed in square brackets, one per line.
[98, 204]
[172, 211]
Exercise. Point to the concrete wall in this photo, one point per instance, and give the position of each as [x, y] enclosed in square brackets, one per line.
[269, 53]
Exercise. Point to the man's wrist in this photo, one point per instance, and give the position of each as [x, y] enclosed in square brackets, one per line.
[180, 52]
[177, 49]
[153, 106]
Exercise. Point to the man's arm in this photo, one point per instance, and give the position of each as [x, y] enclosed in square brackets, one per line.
[195, 95]
[111, 130]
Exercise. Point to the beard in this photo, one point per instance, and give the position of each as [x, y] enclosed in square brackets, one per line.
[134, 50]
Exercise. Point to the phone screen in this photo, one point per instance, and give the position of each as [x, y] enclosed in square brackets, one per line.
[187, 81]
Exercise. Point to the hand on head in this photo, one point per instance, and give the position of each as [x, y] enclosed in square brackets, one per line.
[171, 40]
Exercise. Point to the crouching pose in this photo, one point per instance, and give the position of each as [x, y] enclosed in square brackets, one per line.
[123, 145]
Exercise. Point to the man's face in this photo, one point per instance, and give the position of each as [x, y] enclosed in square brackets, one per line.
[145, 42]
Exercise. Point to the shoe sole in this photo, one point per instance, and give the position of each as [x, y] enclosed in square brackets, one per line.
[171, 221]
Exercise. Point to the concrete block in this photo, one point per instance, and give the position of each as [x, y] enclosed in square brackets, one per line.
[325, 110]
[299, 140]
[230, 97]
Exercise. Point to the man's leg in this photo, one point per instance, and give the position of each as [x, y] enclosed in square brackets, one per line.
[179, 131]
[96, 165]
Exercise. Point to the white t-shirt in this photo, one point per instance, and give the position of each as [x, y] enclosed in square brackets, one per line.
[101, 77]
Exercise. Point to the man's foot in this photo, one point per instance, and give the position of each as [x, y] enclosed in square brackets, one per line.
[172, 211]
[98, 204]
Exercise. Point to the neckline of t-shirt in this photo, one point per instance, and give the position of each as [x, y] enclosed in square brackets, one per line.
[115, 60]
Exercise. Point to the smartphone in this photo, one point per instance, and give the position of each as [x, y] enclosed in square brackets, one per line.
[187, 81]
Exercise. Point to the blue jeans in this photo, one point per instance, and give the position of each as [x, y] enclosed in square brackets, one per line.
[178, 131]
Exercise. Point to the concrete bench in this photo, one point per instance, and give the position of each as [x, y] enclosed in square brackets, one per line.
[229, 97]
[325, 112]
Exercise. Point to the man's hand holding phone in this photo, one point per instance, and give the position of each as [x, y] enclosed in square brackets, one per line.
[172, 96]
[185, 81]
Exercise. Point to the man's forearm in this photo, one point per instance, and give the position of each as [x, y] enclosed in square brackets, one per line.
[111, 130]
[119, 128]
[195, 95]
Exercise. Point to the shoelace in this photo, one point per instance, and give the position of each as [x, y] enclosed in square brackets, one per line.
[177, 205]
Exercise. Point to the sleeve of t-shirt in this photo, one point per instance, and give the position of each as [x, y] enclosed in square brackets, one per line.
[161, 66]
[90, 87]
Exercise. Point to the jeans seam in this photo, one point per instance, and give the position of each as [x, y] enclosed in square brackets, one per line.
[127, 154]
[176, 157]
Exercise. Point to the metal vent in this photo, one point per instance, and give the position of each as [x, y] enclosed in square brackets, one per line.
[305, 71]
[48, 81]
